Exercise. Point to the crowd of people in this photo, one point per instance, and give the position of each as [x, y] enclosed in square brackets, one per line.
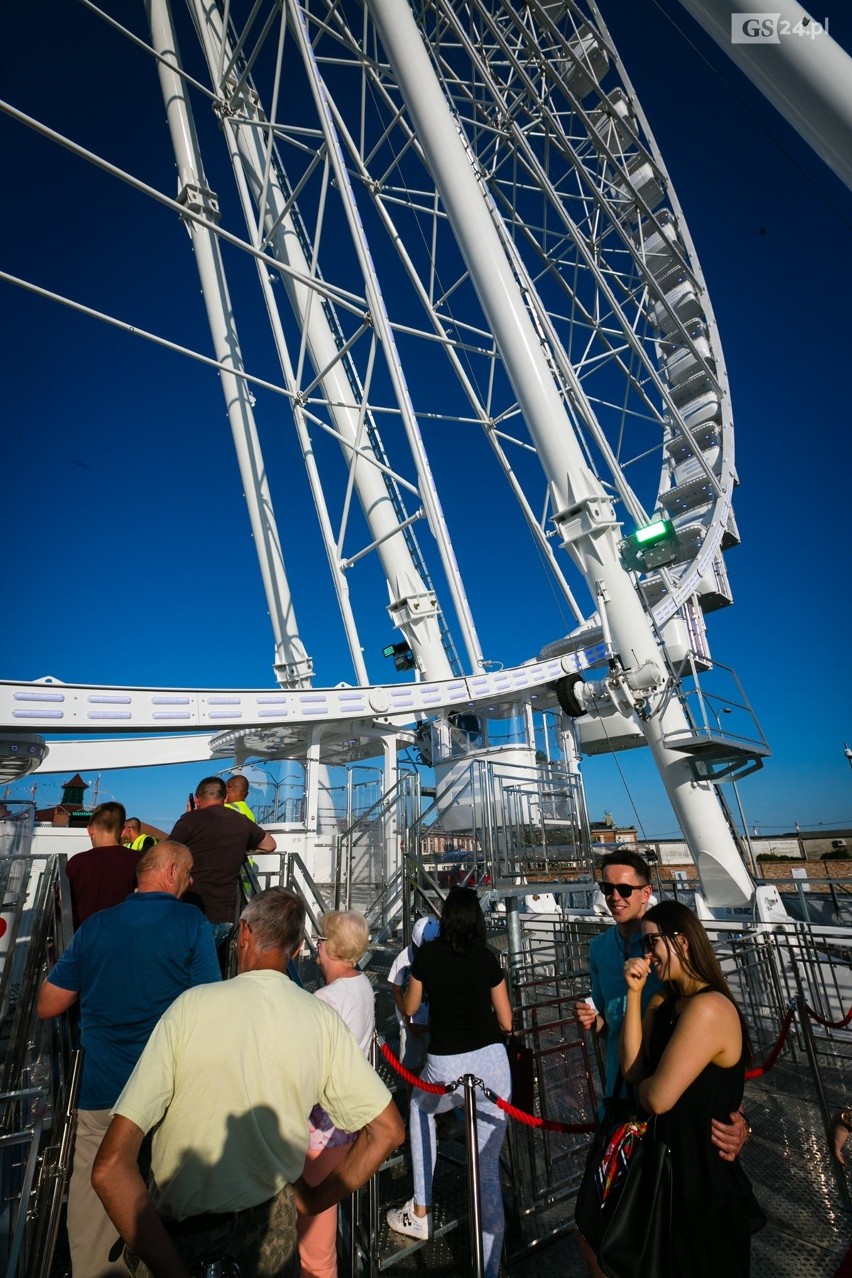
[264, 1107]
[223, 1072]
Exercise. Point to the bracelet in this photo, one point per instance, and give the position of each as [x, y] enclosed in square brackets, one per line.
[748, 1126]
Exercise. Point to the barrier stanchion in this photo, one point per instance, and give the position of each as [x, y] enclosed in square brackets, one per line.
[810, 1049]
[373, 1204]
[442, 1089]
[474, 1188]
[353, 1232]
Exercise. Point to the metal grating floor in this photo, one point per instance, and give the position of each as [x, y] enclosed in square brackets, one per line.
[809, 1230]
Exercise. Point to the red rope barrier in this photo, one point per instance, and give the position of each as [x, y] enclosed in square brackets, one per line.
[441, 1089]
[760, 1070]
[820, 1020]
[546, 1124]
[437, 1089]
[551, 1125]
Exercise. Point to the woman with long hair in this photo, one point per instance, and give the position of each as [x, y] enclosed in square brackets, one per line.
[345, 936]
[687, 1059]
[468, 1013]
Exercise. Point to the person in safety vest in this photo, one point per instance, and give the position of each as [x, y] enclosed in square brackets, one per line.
[132, 836]
[236, 793]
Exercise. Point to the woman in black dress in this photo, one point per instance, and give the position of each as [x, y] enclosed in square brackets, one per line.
[687, 1060]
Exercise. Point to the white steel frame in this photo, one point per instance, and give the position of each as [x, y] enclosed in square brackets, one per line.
[540, 250]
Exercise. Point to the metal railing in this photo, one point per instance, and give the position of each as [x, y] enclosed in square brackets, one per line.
[721, 748]
[17, 822]
[368, 850]
[522, 820]
[40, 1074]
[548, 975]
[294, 875]
[771, 968]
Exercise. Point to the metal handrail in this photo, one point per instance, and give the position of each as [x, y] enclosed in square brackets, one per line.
[19, 1036]
[35, 1198]
[382, 815]
[53, 1182]
[32, 1138]
[291, 863]
[23, 865]
[375, 813]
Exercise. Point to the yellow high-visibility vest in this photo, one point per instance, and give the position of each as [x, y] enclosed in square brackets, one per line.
[138, 844]
[240, 806]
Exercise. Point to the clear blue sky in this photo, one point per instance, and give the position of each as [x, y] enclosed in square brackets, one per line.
[129, 557]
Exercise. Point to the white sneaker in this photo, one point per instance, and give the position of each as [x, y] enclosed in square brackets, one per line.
[402, 1220]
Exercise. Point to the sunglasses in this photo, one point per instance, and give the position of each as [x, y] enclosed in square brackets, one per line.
[624, 890]
[649, 940]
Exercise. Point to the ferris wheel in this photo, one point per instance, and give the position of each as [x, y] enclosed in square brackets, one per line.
[339, 190]
[483, 296]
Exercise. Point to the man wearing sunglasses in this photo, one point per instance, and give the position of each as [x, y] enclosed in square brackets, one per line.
[626, 885]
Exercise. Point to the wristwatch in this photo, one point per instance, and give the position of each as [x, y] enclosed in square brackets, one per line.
[845, 1119]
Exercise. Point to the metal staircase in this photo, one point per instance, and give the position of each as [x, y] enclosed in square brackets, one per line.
[40, 1069]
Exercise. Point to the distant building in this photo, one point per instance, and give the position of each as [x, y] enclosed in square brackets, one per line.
[71, 810]
[801, 845]
[606, 836]
[439, 844]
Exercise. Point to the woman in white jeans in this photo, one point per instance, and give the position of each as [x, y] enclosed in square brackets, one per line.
[469, 1012]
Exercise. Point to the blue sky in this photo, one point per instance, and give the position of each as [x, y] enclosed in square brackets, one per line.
[132, 560]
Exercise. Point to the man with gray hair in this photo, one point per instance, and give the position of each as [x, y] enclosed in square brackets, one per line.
[228, 1078]
[126, 965]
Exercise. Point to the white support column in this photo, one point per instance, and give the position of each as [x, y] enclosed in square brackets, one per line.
[292, 665]
[583, 512]
[314, 773]
[393, 854]
[807, 77]
[413, 608]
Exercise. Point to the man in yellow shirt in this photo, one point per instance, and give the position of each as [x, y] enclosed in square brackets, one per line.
[227, 1079]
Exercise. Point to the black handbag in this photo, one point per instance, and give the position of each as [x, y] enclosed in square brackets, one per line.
[636, 1240]
[590, 1209]
[522, 1071]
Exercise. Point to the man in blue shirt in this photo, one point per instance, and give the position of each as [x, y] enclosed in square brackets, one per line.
[626, 885]
[126, 965]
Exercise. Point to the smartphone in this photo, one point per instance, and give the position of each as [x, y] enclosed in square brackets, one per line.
[191, 803]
